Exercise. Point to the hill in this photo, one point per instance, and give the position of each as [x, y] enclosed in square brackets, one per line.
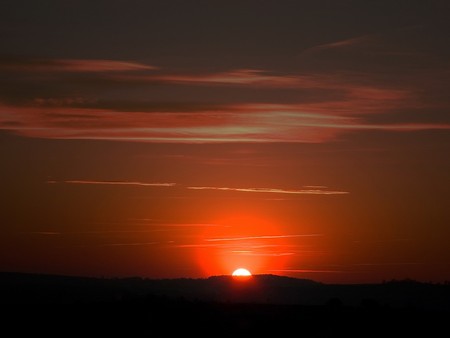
[220, 306]
[21, 288]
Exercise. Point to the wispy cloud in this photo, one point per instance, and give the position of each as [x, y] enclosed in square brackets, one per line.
[131, 244]
[233, 123]
[44, 233]
[254, 77]
[266, 254]
[315, 191]
[340, 43]
[202, 245]
[73, 65]
[92, 232]
[259, 237]
[308, 271]
[388, 264]
[188, 225]
[143, 184]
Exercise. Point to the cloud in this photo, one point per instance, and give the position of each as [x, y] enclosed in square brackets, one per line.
[340, 43]
[131, 244]
[388, 264]
[308, 271]
[315, 191]
[73, 65]
[240, 77]
[44, 233]
[143, 184]
[259, 237]
[266, 254]
[187, 225]
[203, 245]
[250, 123]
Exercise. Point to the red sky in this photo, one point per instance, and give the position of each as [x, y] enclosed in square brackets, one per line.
[166, 139]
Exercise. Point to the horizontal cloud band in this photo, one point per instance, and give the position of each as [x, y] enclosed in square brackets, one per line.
[319, 190]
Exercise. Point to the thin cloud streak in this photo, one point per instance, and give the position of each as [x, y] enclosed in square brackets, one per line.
[339, 44]
[387, 264]
[74, 65]
[275, 254]
[275, 190]
[204, 245]
[242, 77]
[188, 225]
[44, 233]
[143, 184]
[259, 237]
[309, 271]
[93, 232]
[131, 244]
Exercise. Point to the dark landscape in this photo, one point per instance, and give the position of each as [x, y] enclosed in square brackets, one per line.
[262, 304]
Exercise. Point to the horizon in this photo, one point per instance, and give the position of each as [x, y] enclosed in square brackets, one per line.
[238, 279]
[166, 138]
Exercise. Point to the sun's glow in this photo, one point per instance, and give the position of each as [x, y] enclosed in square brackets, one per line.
[241, 272]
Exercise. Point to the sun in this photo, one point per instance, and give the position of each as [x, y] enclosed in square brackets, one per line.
[241, 272]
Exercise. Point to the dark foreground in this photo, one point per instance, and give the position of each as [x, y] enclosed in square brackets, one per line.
[67, 306]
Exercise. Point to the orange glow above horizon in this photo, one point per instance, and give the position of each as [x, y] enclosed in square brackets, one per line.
[256, 243]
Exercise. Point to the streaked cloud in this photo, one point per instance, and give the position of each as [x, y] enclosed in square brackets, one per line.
[131, 244]
[275, 190]
[73, 65]
[388, 264]
[251, 123]
[254, 77]
[143, 184]
[259, 237]
[336, 104]
[188, 225]
[308, 271]
[44, 233]
[202, 245]
[266, 254]
[318, 190]
[340, 43]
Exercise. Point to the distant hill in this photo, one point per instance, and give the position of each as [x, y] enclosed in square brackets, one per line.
[263, 305]
[22, 288]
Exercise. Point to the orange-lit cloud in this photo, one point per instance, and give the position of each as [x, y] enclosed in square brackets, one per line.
[252, 77]
[187, 225]
[131, 244]
[350, 92]
[232, 123]
[74, 65]
[259, 237]
[307, 271]
[276, 191]
[267, 254]
[144, 184]
[44, 233]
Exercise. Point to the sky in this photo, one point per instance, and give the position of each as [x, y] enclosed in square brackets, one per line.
[169, 139]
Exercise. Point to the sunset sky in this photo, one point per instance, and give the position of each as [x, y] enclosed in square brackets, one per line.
[167, 139]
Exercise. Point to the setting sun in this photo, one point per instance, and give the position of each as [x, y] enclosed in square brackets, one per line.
[241, 273]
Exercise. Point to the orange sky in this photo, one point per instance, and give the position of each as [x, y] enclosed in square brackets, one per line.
[167, 140]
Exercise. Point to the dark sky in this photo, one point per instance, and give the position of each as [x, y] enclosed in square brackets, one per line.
[190, 138]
